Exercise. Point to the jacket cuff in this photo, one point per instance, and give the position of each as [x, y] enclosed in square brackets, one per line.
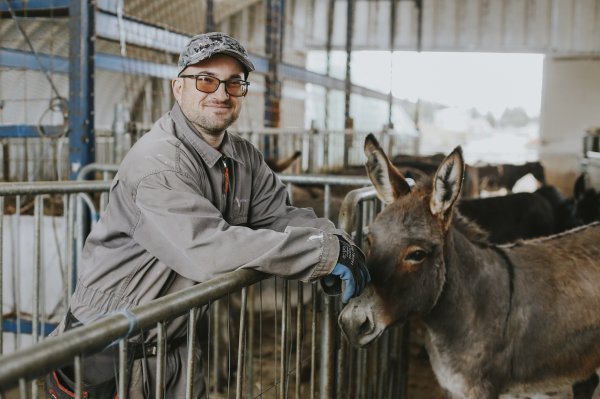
[328, 259]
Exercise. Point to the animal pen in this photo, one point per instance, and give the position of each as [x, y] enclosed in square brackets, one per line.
[279, 340]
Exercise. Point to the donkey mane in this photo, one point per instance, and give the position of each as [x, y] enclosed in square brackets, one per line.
[470, 229]
[548, 238]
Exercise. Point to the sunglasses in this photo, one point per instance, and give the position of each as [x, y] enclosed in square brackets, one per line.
[210, 84]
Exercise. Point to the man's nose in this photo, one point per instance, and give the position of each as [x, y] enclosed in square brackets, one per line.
[221, 92]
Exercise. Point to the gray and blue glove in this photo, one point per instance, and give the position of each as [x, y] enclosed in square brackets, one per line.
[350, 276]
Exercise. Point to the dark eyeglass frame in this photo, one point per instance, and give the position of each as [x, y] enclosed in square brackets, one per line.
[243, 83]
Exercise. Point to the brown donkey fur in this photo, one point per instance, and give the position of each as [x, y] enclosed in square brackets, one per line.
[514, 318]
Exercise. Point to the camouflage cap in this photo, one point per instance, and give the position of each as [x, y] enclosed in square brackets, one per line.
[205, 45]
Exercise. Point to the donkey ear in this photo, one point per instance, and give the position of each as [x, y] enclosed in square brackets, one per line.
[447, 184]
[388, 182]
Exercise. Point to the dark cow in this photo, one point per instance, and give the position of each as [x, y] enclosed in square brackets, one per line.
[500, 318]
[587, 201]
[495, 177]
[511, 217]
[563, 208]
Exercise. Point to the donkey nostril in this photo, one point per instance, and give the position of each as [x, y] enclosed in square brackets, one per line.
[365, 327]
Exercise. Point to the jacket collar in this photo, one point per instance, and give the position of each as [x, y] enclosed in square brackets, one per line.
[209, 154]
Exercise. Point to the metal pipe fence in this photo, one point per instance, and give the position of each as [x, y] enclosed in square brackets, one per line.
[45, 159]
[274, 338]
[327, 150]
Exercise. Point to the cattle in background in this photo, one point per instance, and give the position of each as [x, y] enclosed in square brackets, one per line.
[422, 167]
[562, 207]
[500, 318]
[279, 165]
[587, 201]
[511, 217]
[495, 177]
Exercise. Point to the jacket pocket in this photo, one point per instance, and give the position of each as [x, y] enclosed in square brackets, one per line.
[239, 211]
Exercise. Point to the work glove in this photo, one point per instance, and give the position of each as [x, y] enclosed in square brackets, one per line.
[350, 275]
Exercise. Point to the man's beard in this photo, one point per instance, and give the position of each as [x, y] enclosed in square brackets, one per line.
[210, 124]
[214, 127]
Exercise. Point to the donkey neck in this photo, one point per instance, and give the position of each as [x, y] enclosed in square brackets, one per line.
[478, 286]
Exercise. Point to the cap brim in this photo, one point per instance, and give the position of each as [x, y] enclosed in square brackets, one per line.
[246, 63]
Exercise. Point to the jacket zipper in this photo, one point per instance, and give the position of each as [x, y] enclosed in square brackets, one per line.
[225, 176]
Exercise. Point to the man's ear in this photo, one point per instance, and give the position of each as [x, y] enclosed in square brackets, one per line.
[177, 87]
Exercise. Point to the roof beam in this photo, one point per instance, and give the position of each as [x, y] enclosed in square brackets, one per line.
[145, 35]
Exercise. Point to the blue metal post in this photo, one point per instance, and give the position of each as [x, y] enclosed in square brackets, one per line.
[81, 85]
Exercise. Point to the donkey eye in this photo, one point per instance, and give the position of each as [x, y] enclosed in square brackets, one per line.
[416, 256]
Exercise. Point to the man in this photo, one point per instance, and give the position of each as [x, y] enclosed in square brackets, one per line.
[191, 201]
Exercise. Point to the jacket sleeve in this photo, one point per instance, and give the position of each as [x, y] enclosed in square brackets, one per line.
[270, 206]
[181, 228]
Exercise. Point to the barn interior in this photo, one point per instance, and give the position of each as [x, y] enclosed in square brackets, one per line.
[515, 83]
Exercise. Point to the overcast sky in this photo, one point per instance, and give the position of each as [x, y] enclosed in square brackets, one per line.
[486, 81]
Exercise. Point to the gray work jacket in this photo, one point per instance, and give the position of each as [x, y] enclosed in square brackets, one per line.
[173, 220]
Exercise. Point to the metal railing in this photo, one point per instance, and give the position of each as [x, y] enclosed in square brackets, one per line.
[33, 323]
[327, 150]
[30, 159]
[285, 352]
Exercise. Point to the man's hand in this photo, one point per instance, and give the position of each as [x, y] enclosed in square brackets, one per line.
[350, 276]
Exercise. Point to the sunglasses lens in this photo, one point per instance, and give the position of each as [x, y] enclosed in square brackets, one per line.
[210, 84]
[207, 84]
[236, 88]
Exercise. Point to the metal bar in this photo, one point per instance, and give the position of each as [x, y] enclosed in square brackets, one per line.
[348, 124]
[324, 179]
[161, 364]
[313, 341]
[210, 17]
[37, 265]
[16, 270]
[299, 336]
[71, 273]
[330, 11]
[1, 275]
[78, 385]
[42, 187]
[272, 95]
[249, 367]
[23, 388]
[81, 84]
[31, 5]
[341, 369]
[216, 342]
[290, 192]
[123, 369]
[28, 131]
[47, 355]
[241, 346]
[382, 364]
[327, 201]
[327, 367]
[347, 210]
[191, 354]
[283, 370]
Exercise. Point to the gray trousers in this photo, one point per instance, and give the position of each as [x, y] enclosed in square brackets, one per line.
[142, 377]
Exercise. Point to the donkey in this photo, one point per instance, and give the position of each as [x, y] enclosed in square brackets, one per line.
[512, 318]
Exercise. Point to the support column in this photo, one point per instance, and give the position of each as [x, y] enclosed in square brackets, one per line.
[392, 46]
[348, 82]
[210, 16]
[330, 10]
[273, 48]
[81, 85]
[348, 121]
